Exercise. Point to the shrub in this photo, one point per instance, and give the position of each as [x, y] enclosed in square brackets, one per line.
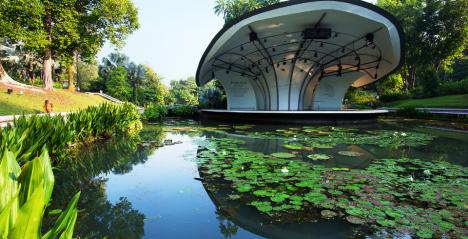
[359, 98]
[453, 87]
[395, 96]
[155, 112]
[183, 110]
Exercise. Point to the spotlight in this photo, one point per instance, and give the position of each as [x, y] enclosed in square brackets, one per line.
[278, 65]
[357, 58]
[342, 50]
[266, 69]
[376, 75]
[284, 63]
[321, 44]
[242, 47]
[273, 49]
[213, 75]
[265, 40]
[336, 34]
[227, 72]
[315, 54]
[377, 66]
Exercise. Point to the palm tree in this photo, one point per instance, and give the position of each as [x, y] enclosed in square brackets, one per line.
[232, 9]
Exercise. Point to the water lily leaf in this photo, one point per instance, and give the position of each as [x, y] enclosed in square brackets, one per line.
[316, 157]
[283, 155]
[293, 146]
[350, 153]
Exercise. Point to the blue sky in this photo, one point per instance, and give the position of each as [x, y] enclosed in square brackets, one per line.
[172, 36]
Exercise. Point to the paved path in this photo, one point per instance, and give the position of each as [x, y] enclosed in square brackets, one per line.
[447, 111]
[8, 119]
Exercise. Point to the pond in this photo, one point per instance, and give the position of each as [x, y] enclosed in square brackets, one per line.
[187, 180]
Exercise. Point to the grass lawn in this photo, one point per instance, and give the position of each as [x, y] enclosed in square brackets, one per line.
[33, 101]
[449, 101]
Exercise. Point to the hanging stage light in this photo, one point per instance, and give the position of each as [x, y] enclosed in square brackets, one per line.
[242, 48]
[315, 54]
[213, 75]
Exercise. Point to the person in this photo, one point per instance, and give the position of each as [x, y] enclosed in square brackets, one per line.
[48, 106]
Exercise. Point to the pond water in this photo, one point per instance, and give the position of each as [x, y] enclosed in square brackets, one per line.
[185, 180]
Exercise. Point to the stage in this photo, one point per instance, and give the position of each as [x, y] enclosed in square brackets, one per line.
[294, 117]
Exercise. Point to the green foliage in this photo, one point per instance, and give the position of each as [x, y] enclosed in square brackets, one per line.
[57, 133]
[436, 34]
[390, 85]
[117, 85]
[232, 9]
[182, 110]
[155, 113]
[183, 92]
[212, 96]
[359, 97]
[451, 87]
[25, 194]
[64, 29]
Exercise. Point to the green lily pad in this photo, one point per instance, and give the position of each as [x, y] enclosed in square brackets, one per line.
[293, 146]
[350, 153]
[328, 213]
[316, 157]
[283, 155]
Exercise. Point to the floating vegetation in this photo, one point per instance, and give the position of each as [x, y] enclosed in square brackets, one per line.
[283, 155]
[421, 198]
[316, 157]
[293, 146]
[350, 153]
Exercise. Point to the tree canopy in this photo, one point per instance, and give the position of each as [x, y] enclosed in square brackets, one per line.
[232, 9]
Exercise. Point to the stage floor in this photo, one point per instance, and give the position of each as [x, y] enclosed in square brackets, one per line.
[294, 117]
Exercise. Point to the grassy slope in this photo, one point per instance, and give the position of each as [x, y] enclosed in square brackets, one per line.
[31, 101]
[450, 101]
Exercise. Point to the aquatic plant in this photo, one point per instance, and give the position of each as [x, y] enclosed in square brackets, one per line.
[397, 194]
[25, 193]
[26, 137]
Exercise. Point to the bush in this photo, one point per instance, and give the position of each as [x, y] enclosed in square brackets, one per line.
[183, 111]
[453, 87]
[155, 112]
[395, 96]
[359, 98]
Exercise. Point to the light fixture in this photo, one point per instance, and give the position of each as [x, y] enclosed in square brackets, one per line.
[242, 47]
[265, 40]
[340, 68]
[342, 50]
[273, 49]
[213, 75]
[375, 76]
[278, 65]
[377, 66]
[284, 63]
[321, 44]
[336, 34]
[315, 54]
[266, 70]
[227, 71]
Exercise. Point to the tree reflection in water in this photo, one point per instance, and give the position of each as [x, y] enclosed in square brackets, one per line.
[98, 217]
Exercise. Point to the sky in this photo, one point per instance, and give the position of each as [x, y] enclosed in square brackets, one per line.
[172, 36]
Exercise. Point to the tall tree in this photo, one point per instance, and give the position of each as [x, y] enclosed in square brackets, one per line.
[136, 77]
[58, 29]
[436, 34]
[232, 9]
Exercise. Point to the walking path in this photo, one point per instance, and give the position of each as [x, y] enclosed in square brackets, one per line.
[446, 111]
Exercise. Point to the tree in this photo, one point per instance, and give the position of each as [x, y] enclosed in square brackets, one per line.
[86, 74]
[184, 92]
[436, 34]
[153, 90]
[59, 29]
[232, 9]
[390, 85]
[136, 77]
[117, 84]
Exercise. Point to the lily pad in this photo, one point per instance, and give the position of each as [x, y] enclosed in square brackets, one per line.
[293, 146]
[316, 157]
[283, 155]
[328, 213]
[350, 153]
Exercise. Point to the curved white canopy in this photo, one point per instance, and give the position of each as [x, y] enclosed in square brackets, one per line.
[302, 55]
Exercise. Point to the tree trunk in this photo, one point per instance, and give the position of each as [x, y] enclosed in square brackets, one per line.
[48, 83]
[70, 73]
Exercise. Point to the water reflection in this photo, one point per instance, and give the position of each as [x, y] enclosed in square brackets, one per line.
[98, 217]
